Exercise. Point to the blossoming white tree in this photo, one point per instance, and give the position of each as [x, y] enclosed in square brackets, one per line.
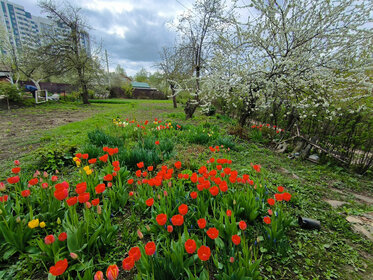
[301, 55]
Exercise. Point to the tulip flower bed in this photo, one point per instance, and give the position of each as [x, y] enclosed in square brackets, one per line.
[156, 221]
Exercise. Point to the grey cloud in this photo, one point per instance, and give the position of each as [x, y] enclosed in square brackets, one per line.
[146, 31]
[145, 36]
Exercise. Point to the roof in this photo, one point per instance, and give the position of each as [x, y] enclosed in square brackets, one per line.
[140, 85]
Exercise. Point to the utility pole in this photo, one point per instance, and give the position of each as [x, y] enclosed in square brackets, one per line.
[107, 67]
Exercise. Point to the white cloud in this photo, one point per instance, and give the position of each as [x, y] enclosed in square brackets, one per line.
[115, 7]
[118, 30]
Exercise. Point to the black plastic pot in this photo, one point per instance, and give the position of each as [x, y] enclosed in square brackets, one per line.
[308, 223]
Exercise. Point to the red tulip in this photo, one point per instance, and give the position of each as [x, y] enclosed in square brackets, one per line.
[267, 220]
[49, 239]
[16, 170]
[62, 236]
[161, 219]
[25, 193]
[81, 188]
[108, 177]
[178, 165]
[271, 201]
[212, 233]
[59, 268]
[279, 196]
[183, 209]
[177, 220]
[72, 201]
[128, 263]
[242, 225]
[190, 246]
[61, 194]
[13, 180]
[33, 181]
[201, 223]
[99, 276]
[95, 202]
[112, 272]
[236, 239]
[286, 196]
[204, 253]
[135, 253]
[83, 198]
[214, 190]
[193, 195]
[150, 248]
[149, 202]
[100, 188]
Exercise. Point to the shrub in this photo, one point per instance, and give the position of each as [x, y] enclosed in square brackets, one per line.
[100, 139]
[202, 135]
[128, 90]
[226, 141]
[92, 150]
[10, 91]
[51, 158]
[131, 157]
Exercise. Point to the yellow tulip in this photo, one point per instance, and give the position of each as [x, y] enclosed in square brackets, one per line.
[33, 223]
[88, 172]
[42, 225]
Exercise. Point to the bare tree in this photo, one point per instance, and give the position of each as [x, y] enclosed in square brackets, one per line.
[197, 27]
[66, 47]
[175, 67]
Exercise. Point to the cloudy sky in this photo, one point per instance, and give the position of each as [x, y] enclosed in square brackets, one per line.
[133, 32]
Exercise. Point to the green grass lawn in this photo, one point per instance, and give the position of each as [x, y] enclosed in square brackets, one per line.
[334, 252]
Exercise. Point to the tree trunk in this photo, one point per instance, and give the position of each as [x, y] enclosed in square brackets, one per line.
[85, 94]
[243, 119]
[36, 83]
[83, 84]
[7, 103]
[173, 95]
[174, 101]
[189, 109]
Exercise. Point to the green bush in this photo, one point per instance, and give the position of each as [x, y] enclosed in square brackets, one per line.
[210, 111]
[54, 157]
[130, 158]
[92, 150]
[226, 141]
[73, 96]
[202, 135]
[10, 91]
[128, 90]
[101, 139]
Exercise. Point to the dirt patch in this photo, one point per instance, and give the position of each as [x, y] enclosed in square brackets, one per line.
[358, 197]
[334, 203]
[362, 224]
[22, 128]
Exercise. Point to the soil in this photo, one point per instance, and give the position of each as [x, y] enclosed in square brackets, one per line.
[21, 129]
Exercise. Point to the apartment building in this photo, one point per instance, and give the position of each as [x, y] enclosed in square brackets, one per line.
[23, 28]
